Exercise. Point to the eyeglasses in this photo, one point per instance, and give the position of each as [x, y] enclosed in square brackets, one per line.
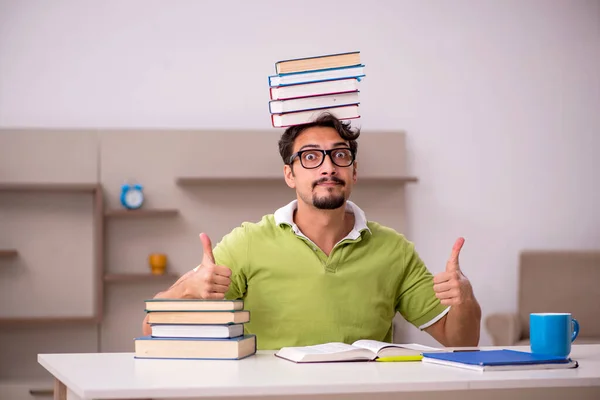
[313, 158]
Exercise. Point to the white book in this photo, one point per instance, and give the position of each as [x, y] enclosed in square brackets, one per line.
[508, 367]
[196, 331]
[361, 350]
[498, 360]
[314, 89]
[303, 117]
[313, 102]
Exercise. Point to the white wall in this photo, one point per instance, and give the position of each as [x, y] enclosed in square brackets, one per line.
[500, 100]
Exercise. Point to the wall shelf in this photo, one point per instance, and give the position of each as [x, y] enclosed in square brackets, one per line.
[8, 253]
[33, 321]
[139, 277]
[201, 180]
[49, 187]
[41, 392]
[141, 213]
[387, 179]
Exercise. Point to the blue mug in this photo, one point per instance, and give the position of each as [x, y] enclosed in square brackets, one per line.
[552, 333]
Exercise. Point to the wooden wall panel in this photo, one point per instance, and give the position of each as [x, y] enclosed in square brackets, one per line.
[238, 178]
[48, 156]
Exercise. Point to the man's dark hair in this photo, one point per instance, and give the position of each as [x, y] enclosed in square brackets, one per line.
[286, 142]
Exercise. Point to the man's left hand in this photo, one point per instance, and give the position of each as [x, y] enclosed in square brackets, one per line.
[451, 286]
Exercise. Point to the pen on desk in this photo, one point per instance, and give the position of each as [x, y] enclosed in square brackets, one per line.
[399, 358]
[465, 349]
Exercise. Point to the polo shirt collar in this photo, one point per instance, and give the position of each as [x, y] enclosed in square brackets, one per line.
[285, 215]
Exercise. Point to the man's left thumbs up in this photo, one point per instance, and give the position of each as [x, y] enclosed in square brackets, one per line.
[452, 263]
[451, 286]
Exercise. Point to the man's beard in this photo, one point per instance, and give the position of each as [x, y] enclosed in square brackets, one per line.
[332, 201]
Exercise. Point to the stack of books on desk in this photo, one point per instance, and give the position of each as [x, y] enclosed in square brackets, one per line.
[196, 329]
[304, 88]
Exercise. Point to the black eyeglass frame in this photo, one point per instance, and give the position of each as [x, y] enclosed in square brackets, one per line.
[325, 154]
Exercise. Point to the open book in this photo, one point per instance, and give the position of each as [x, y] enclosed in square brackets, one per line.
[361, 350]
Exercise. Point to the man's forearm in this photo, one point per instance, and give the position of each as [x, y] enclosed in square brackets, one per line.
[176, 291]
[463, 322]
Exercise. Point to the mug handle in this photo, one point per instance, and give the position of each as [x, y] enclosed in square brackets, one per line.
[575, 324]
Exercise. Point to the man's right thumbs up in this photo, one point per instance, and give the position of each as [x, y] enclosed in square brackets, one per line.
[207, 258]
[210, 281]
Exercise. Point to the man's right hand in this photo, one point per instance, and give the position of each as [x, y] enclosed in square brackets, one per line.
[207, 281]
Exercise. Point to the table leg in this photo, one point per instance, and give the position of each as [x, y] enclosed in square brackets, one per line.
[60, 390]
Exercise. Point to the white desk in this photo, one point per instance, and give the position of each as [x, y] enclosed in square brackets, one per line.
[120, 376]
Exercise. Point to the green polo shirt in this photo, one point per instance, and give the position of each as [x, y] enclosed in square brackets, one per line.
[299, 296]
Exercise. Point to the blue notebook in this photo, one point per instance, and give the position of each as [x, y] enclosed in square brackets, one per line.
[323, 75]
[498, 360]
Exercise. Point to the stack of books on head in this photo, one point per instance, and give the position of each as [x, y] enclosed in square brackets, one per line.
[304, 88]
[196, 329]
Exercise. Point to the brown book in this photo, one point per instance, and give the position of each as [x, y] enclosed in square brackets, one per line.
[199, 317]
[339, 60]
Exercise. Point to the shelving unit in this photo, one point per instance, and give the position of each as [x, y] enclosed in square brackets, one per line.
[98, 221]
[137, 214]
[129, 282]
[99, 215]
[139, 277]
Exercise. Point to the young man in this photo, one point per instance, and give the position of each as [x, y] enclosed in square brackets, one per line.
[317, 271]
